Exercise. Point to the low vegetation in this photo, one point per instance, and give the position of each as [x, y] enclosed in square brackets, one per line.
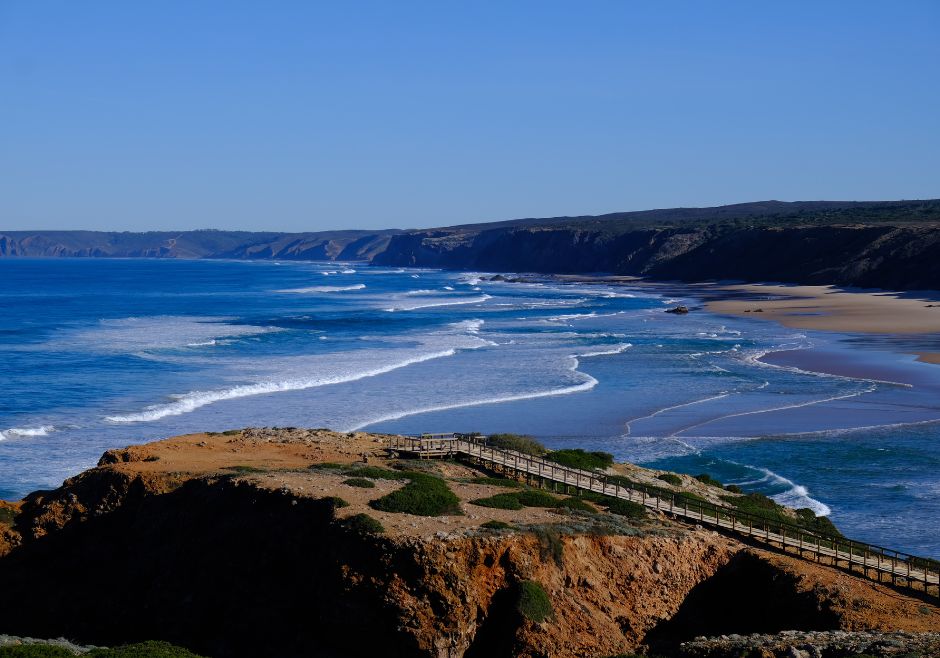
[523, 443]
[577, 504]
[533, 602]
[359, 482]
[626, 508]
[497, 482]
[336, 502]
[705, 478]
[670, 478]
[578, 458]
[140, 650]
[496, 525]
[364, 524]
[7, 514]
[508, 501]
[424, 495]
[376, 473]
[245, 469]
[537, 498]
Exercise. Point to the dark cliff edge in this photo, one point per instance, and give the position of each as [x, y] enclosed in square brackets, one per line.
[887, 244]
[884, 245]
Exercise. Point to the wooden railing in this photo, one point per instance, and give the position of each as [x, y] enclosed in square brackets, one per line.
[871, 561]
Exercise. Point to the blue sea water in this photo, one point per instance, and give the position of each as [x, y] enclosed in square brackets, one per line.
[97, 354]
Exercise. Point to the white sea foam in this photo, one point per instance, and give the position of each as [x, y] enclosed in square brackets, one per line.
[196, 399]
[587, 384]
[316, 289]
[413, 306]
[448, 287]
[348, 271]
[681, 405]
[796, 495]
[139, 334]
[43, 430]
[795, 405]
[617, 349]
[412, 293]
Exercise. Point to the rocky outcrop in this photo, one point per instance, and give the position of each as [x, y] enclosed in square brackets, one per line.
[232, 545]
[891, 245]
[904, 256]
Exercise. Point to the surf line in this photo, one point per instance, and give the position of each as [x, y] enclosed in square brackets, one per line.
[586, 385]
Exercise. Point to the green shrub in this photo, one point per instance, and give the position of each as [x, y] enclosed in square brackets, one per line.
[359, 482]
[424, 495]
[497, 482]
[537, 498]
[328, 466]
[705, 478]
[143, 650]
[733, 488]
[244, 469]
[35, 651]
[523, 443]
[550, 544]
[7, 514]
[496, 525]
[626, 508]
[500, 501]
[578, 458]
[336, 502]
[533, 602]
[670, 478]
[364, 524]
[575, 504]
[377, 473]
[766, 508]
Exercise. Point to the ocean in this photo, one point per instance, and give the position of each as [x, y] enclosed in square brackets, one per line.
[100, 353]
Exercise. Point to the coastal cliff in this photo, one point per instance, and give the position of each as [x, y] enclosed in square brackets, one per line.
[840, 246]
[253, 542]
[891, 245]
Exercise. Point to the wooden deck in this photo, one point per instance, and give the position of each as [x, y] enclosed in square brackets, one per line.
[861, 559]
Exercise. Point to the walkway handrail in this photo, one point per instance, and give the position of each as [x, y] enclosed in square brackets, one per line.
[910, 568]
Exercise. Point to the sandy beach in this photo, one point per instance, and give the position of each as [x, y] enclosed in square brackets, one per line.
[828, 308]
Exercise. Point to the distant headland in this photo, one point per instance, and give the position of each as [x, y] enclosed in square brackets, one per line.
[873, 244]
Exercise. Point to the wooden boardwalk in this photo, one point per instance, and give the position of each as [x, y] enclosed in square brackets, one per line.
[864, 560]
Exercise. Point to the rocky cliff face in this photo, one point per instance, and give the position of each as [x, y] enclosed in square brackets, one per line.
[893, 245]
[232, 546]
[891, 257]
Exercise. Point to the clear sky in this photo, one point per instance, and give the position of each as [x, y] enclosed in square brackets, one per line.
[312, 115]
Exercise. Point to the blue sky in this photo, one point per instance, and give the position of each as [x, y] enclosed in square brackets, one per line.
[307, 116]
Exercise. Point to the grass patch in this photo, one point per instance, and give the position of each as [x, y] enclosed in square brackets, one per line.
[626, 508]
[496, 525]
[537, 498]
[376, 473]
[7, 514]
[578, 458]
[550, 544]
[576, 504]
[245, 469]
[533, 602]
[497, 482]
[336, 502]
[424, 495]
[364, 524]
[670, 478]
[328, 466]
[139, 650]
[508, 501]
[359, 482]
[523, 443]
[705, 478]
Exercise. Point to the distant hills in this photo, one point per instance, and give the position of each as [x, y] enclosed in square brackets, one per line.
[886, 244]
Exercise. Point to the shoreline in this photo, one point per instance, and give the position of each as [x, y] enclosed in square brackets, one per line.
[817, 308]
